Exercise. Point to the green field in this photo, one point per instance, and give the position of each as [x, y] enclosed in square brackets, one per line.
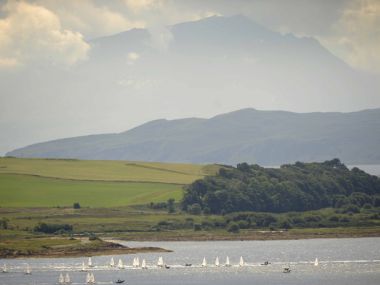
[30, 191]
[107, 170]
[60, 183]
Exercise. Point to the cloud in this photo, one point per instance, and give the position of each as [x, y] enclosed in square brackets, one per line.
[92, 19]
[139, 5]
[31, 33]
[132, 57]
[356, 35]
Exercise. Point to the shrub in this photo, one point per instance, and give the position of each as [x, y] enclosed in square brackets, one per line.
[195, 209]
[350, 209]
[314, 218]
[53, 228]
[206, 211]
[170, 205]
[4, 223]
[243, 224]
[206, 225]
[334, 219]
[344, 220]
[298, 221]
[92, 236]
[367, 206]
[233, 227]
[161, 205]
[197, 227]
[285, 225]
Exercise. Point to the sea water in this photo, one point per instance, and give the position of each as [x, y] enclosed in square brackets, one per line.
[341, 261]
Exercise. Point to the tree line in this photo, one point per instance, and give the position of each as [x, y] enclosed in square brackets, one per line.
[292, 187]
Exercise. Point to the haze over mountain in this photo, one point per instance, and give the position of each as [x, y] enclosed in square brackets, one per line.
[199, 68]
[263, 137]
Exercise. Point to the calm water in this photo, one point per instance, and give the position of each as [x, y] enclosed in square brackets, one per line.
[373, 169]
[341, 261]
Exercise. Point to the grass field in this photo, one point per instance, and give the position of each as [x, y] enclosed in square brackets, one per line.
[30, 191]
[60, 183]
[105, 170]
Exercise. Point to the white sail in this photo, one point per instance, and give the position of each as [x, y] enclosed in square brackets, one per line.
[5, 269]
[217, 261]
[89, 262]
[143, 264]
[204, 263]
[120, 264]
[160, 262]
[28, 271]
[241, 262]
[88, 278]
[83, 266]
[112, 262]
[67, 279]
[61, 280]
[137, 262]
[316, 263]
[228, 261]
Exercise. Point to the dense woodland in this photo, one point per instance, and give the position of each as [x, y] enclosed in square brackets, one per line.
[292, 187]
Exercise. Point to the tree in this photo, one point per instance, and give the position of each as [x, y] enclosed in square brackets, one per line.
[233, 227]
[297, 187]
[170, 205]
[4, 223]
[195, 209]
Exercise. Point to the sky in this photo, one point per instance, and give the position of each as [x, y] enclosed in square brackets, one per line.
[44, 45]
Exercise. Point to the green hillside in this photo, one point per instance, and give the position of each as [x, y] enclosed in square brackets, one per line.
[52, 183]
[31, 191]
[107, 170]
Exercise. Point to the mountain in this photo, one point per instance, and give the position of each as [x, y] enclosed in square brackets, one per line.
[198, 68]
[249, 135]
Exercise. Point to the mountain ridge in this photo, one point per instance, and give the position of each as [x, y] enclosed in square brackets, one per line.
[264, 137]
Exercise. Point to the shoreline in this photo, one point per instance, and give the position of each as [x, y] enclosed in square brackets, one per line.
[110, 244]
[101, 248]
[297, 234]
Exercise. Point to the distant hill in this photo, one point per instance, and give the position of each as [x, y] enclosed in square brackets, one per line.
[201, 67]
[253, 136]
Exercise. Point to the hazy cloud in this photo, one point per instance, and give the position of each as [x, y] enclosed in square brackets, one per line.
[132, 57]
[356, 35]
[139, 5]
[92, 19]
[31, 33]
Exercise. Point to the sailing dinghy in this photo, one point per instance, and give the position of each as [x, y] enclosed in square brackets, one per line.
[120, 264]
[241, 262]
[5, 269]
[112, 262]
[28, 271]
[160, 262]
[217, 262]
[204, 263]
[61, 280]
[316, 263]
[228, 262]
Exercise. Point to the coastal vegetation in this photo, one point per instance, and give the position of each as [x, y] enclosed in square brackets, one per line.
[41, 205]
[292, 187]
